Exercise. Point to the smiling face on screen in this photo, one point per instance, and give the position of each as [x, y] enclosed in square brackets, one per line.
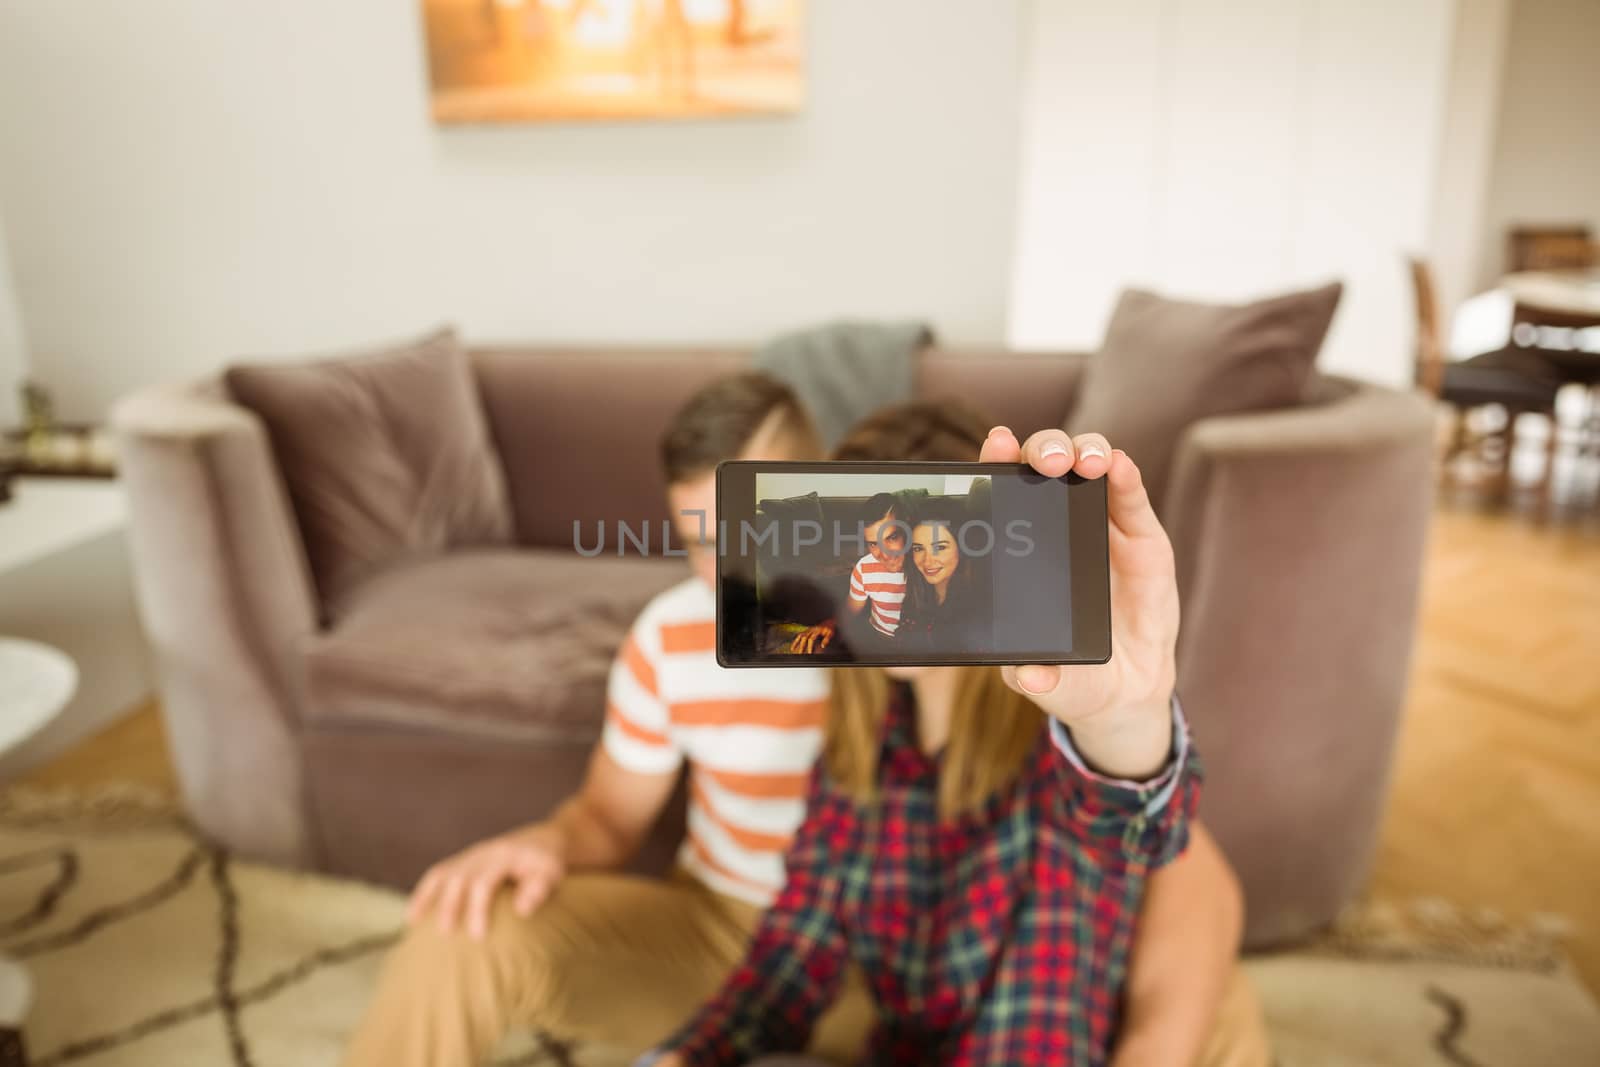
[886, 542]
[934, 551]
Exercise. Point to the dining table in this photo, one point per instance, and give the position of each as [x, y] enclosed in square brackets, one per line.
[1482, 323]
[1573, 292]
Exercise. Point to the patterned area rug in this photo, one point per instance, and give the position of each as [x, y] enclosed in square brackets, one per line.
[148, 947]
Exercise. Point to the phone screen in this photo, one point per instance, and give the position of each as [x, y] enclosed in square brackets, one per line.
[906, 563]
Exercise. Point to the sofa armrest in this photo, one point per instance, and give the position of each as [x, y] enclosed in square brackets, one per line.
[226, 598]
[1299, 538]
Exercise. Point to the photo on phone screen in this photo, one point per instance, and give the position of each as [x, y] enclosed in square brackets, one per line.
[909, 563]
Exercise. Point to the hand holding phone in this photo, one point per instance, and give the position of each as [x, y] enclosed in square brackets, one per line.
[1118, 710]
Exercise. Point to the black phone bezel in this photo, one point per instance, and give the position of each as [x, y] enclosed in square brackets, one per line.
[1088, 555]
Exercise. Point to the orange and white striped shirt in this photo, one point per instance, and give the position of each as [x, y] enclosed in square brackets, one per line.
[750, 737]
[872, 580]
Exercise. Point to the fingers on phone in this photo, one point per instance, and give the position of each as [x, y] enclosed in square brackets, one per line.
[1050, 452]
[1035, 679]
[1000, 447]
[1093, 454]
[1126, 499]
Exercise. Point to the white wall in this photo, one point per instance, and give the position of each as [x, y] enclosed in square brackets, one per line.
[1226, 149]
[1547, 150]
[13, 351]
[781, 486]
[1456, 236]
[188, 181]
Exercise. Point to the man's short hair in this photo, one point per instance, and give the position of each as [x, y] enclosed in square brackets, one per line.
[880, 505]
[719, 421]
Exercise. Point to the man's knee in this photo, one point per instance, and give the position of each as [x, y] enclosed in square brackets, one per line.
[514, 952]
[450, 997]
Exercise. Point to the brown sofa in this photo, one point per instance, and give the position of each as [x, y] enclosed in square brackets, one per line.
[460, 695]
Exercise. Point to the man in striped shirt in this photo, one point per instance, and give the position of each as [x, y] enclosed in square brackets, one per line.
[878, 578]
[510, 932]
[536, 928]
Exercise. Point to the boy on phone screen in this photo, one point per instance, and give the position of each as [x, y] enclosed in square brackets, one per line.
[878, 578]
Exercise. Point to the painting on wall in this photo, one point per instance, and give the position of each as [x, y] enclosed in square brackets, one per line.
[575, 60]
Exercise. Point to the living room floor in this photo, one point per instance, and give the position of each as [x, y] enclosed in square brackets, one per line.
[1498, 771]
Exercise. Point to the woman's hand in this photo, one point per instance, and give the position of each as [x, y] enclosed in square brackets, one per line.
[1118, 711]
[530, 861]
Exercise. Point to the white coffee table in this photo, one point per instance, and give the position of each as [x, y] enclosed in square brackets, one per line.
[36, 683]
[66, 581]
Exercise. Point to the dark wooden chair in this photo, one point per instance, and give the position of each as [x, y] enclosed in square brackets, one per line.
[1517, 379]
[1551, 248]
[1569, 343]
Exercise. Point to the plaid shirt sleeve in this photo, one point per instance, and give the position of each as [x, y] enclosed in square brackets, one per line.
[1143, 821]
[796, 960]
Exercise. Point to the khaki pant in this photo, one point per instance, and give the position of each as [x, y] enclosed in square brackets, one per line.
[621, 961]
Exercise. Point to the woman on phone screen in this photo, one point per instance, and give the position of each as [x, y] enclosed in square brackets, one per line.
[947, 605]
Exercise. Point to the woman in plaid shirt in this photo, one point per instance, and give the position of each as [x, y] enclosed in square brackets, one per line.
[982, 869]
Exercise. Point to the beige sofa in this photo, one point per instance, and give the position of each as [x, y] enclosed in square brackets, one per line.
[457, 696]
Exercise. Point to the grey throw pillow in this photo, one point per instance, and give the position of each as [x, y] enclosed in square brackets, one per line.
[386, 455]
[1166, 364]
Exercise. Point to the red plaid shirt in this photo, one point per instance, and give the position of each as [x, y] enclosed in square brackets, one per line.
[998, 937]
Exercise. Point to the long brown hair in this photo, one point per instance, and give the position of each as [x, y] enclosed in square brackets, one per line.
[992, 728]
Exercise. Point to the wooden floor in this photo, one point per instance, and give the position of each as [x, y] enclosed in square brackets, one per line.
[133, 749]
[1496, 800]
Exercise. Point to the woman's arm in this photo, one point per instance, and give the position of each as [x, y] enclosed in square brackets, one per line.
[1141, 822]
[1118, 711]
[792, 970]
[1184, 947]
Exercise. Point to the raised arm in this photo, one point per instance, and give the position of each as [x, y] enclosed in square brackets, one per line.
[1143, 822]
[1119, 712]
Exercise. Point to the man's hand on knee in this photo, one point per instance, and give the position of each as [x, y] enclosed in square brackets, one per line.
[461, 889]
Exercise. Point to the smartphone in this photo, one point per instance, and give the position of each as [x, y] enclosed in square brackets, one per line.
[884, 564]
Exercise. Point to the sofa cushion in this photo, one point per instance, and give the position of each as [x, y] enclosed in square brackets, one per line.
[492, 642]
[1026, 391]
[386, 456]
[579, 431]
[1166, 364]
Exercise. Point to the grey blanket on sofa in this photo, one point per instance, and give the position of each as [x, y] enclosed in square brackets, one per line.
[844, 371]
